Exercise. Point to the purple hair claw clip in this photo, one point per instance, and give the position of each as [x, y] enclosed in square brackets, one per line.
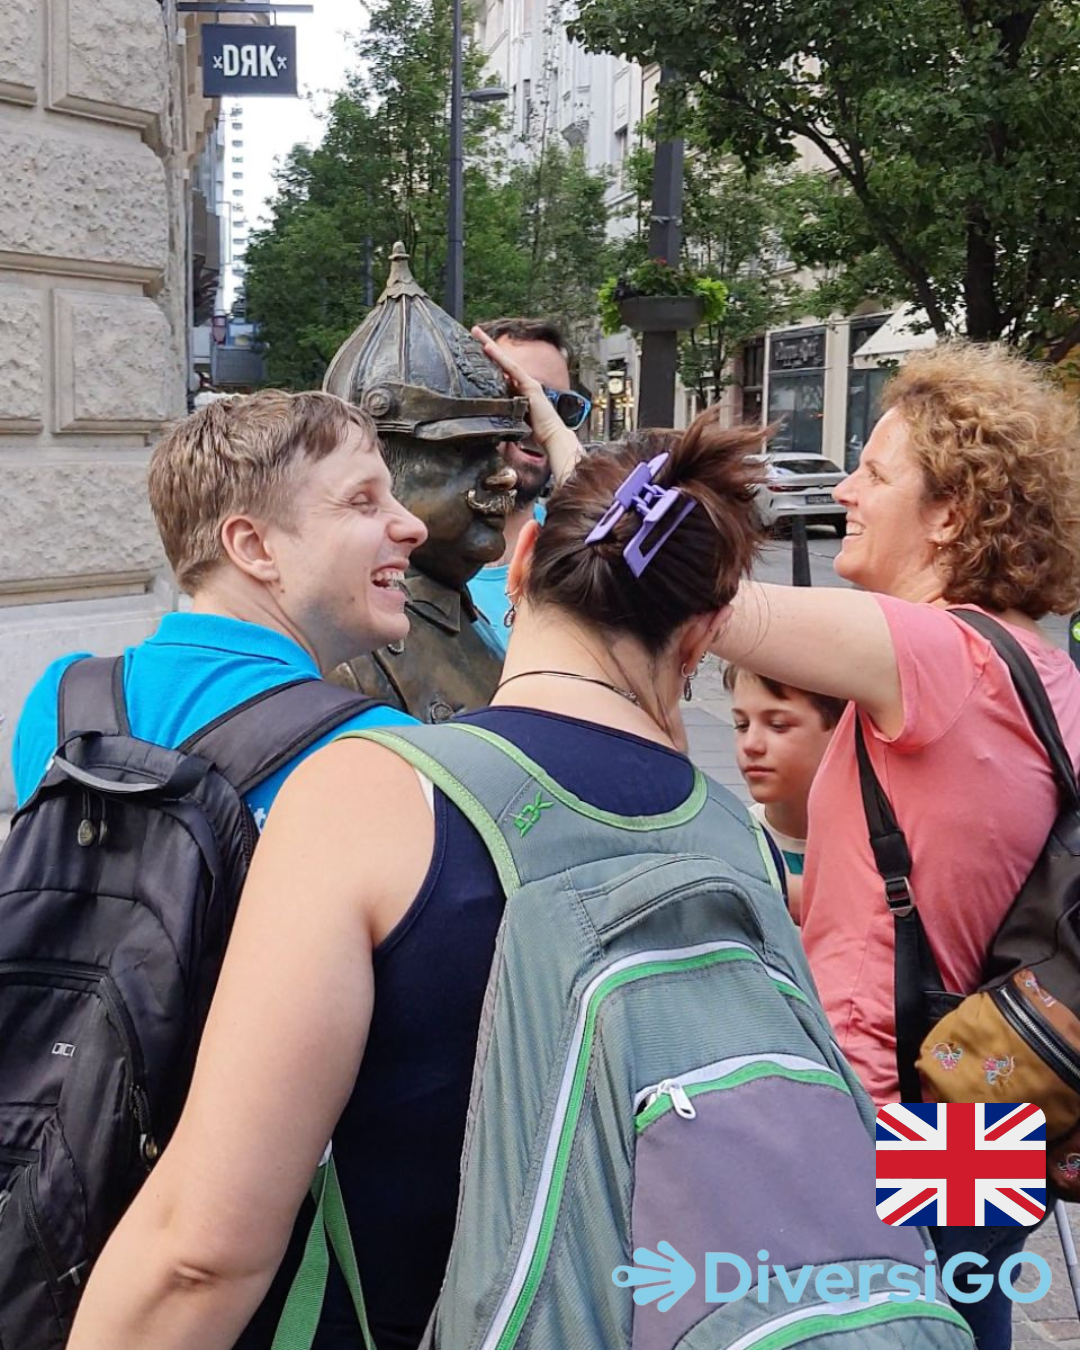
[639, 490]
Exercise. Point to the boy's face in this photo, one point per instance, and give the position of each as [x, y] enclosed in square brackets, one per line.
[779, 742]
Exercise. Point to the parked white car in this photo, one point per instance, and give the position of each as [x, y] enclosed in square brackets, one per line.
[801, 485]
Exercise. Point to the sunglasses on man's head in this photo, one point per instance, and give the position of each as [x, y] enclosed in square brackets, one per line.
[572, 408]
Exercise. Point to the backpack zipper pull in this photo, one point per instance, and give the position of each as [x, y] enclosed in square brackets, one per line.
[684, 1107]
[86, 836]
[148, 1147]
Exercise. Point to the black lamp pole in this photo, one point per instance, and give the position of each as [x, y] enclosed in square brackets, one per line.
[454, 297]
[660, 351]
[454, 300]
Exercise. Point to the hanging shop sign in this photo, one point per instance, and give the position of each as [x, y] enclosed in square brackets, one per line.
[249, 62]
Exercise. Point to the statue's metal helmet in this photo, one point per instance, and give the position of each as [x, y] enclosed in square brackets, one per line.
[419, 373]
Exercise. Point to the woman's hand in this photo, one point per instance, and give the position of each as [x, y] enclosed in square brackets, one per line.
[549, 432]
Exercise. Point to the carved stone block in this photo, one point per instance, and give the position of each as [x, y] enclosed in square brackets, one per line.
[74, 206]
[22, 353]
[108, 59]
[76, 524]
[20, 51]
[112, 363]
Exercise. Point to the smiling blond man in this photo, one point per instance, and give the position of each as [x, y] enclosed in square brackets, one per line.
[276, 513]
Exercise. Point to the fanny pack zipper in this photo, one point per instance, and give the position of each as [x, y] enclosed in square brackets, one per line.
[1027, 1023]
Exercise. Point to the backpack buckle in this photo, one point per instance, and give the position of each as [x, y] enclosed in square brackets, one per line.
[898, 896]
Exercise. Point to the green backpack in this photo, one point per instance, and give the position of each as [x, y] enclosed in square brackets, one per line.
[655, 1080]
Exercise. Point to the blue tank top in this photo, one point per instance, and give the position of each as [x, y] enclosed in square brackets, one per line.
[398, 1143]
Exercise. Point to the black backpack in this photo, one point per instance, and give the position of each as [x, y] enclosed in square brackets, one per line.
[118, 886]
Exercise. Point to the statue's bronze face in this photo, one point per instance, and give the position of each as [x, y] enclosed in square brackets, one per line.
[462, 491]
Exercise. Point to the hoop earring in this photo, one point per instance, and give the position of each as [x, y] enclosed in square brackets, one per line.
[688, 682]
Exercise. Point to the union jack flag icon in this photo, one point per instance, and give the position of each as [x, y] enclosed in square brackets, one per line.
[966, 1164]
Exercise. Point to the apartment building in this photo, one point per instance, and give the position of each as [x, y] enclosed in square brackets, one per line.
[820, 378]
[595, 102]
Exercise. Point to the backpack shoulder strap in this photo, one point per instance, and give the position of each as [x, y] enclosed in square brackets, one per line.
[253, 740]
[915, 971]
[515, 805]
[1032, 695]
[91, 698]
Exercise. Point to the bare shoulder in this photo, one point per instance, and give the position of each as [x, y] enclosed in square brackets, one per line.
[352, 819]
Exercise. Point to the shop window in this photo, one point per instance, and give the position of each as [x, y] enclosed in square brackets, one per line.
[797, 389]
[753, 381]
[864, 391]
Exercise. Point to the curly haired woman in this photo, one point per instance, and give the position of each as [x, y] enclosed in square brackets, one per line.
[967, 493]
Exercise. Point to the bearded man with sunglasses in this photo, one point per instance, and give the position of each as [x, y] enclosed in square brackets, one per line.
[537, 348]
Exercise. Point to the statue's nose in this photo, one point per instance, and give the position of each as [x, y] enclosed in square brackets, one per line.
[503, 479]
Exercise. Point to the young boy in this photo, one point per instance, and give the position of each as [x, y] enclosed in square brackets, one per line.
[781, 734]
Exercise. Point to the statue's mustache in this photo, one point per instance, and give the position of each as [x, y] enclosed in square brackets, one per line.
[491, 504]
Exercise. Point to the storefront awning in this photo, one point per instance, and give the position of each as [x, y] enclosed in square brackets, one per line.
[895, 338]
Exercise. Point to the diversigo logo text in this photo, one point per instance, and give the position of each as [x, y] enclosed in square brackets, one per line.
[664, 1276]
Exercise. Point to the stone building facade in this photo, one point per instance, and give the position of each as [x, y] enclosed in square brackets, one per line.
[101, 119]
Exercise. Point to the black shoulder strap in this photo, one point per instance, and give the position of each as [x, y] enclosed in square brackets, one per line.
[252, 741]
[91, 698]
[915, 971]
[1031, 693]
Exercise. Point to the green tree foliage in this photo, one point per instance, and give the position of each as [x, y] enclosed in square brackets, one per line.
[534, 233]
[732, 224]
[952, 174]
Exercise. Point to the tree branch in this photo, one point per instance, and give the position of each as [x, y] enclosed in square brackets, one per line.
[853, 171]
[1059, 349]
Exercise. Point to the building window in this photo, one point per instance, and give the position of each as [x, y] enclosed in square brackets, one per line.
[864, 391]
[526, 106]
[753, 381]
[239, 174]
[797, 389]
[622, 141]
[238, 159]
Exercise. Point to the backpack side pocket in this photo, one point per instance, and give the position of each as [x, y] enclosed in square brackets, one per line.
[762, 1159]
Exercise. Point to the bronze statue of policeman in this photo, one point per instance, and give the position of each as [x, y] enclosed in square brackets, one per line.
[442, 409]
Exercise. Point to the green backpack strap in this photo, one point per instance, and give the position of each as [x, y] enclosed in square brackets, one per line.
[767, 856]
[330, 1228]
[517, 807]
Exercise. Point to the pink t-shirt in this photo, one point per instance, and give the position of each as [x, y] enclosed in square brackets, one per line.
[973, 792]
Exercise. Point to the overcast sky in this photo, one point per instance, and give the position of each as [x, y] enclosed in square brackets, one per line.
[272, 126]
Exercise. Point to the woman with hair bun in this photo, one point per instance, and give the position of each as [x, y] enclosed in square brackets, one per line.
[966, 495]
[351, 996]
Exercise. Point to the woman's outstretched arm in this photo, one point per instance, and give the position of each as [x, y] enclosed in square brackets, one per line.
[197, 1250]
[826, 639]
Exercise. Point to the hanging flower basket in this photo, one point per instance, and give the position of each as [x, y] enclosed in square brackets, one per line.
[655, 297]
[661, 313]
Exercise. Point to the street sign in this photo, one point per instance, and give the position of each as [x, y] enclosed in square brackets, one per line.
[249, 62]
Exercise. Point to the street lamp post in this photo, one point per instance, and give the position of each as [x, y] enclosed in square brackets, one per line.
[454, 298]
[660, 351]
[455, 229]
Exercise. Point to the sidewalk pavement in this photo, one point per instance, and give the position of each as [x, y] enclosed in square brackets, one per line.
[1052, 1321]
